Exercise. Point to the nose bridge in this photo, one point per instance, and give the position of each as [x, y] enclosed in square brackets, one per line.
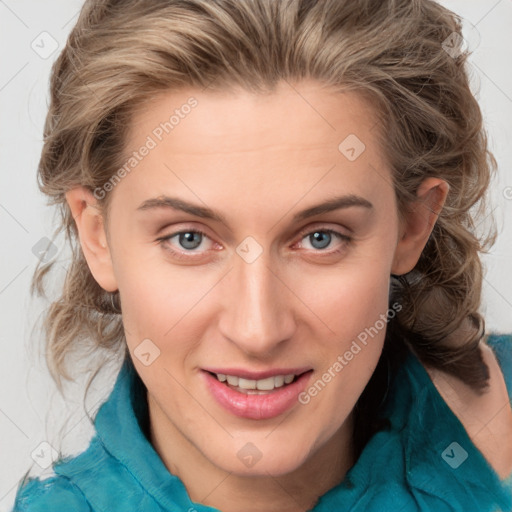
[257, 314]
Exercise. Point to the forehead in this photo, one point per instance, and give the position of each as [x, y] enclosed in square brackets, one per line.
[300, 139]
[253, 120]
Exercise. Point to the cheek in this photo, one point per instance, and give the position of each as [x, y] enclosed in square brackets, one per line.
[154, 292]
[353, 303]
[356, 311]
[347, 299]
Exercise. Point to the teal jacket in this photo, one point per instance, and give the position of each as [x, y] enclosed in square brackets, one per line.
[425, 462]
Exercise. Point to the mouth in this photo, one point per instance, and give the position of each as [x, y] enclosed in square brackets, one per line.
[257, 398]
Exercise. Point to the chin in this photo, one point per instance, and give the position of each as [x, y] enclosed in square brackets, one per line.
[249, 460]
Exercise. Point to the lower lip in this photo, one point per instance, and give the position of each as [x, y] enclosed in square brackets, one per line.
[257, 407]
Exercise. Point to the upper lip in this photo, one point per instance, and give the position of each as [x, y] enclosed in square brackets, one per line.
[252, 375]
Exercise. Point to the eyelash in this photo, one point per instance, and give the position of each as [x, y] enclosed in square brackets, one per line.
[346, 241]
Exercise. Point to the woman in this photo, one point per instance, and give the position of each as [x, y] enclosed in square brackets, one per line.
[270, 209]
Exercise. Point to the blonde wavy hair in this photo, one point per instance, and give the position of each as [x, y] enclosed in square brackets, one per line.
[120, 53]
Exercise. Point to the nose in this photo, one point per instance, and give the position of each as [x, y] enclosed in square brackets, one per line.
[258, 314]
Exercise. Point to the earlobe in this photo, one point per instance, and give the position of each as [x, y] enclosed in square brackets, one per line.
[89, 222]
[418, 224]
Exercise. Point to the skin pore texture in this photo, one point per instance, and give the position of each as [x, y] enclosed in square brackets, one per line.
[256, 160]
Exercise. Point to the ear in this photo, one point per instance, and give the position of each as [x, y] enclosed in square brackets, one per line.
[418, 224]
[89, 221]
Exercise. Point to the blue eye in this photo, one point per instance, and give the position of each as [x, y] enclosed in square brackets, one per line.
[191, 239]
[322, 238]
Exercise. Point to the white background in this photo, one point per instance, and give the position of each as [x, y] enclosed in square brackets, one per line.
[29, 406]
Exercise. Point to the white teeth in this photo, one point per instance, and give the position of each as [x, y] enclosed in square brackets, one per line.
[267, 384]
[246, 383]
[288, 378]
[279, 380]
[232, 380]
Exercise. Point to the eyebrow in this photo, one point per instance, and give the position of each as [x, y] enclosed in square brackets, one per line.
[175, 203]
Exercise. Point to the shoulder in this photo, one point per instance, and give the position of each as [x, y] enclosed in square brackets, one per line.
[487, 418]
[56, 494]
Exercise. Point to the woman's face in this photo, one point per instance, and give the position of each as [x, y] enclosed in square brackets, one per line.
[227, 263]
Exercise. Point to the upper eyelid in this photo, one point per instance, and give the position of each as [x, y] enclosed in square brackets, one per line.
[309, 231]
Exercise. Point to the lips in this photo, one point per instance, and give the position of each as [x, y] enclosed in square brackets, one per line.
[244, 397]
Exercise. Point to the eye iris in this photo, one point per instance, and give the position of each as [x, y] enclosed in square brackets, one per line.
[323, 237]
[187, 239]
